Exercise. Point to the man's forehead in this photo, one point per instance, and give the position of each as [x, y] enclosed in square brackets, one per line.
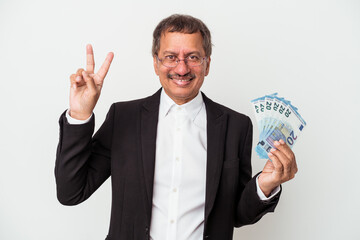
[181, 40]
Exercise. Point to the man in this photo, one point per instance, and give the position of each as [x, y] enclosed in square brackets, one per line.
[180, 164]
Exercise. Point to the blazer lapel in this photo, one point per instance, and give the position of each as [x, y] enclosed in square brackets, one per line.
[216, 129]
[148, 129]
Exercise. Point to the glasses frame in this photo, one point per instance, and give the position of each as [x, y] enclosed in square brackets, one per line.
[178, 60]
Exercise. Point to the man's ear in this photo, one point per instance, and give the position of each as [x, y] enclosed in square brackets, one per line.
[156, 65]
[207, 66]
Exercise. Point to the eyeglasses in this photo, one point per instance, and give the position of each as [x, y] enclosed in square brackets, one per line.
[172, 61]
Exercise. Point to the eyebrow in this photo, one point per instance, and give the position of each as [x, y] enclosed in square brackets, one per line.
[187, 54]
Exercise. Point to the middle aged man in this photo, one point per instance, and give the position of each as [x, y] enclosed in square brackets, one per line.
[180, 164]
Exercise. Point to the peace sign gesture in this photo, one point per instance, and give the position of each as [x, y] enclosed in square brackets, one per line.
[86, 86]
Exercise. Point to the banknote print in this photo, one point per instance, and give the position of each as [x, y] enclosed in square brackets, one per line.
[277, 119]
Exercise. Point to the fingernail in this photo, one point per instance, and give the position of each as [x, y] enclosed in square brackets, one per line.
[281, 141]
[276, 143]
[270, 154]
[78, 78]
[272, 150]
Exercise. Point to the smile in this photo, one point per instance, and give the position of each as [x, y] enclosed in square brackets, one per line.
[181, 82]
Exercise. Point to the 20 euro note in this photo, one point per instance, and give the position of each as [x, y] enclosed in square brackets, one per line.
[277, 119]
[261, 108]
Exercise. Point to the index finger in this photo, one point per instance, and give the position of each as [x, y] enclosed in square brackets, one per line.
[105, 66]
[90, 63]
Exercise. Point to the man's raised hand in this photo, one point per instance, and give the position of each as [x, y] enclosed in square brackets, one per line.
[86, 86]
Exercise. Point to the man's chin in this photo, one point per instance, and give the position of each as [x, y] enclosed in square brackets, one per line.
[181, 97]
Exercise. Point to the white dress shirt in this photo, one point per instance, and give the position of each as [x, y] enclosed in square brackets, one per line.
[178, 203]
[180, 171]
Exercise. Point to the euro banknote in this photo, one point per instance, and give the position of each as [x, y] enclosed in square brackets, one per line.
[277, 119]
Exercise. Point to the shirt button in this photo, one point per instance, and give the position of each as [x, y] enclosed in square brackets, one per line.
[177, 159]
[174, 190]
[178, 129]
[179, 108]
[172, 221]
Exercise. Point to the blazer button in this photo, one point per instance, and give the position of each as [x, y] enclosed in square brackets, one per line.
[206, 237]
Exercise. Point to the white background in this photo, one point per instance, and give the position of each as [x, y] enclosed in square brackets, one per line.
[307, 51]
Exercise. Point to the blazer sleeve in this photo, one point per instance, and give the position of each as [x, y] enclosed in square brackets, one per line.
[250, 208]
[82, 161]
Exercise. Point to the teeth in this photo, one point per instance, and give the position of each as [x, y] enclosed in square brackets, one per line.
[182, 80]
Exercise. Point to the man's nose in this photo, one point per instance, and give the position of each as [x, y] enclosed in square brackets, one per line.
[182, 68]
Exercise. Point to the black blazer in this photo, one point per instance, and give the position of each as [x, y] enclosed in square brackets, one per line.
[124, 148]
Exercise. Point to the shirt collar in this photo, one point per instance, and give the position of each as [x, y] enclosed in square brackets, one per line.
[191, 108]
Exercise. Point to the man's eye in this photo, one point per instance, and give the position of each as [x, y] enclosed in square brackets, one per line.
[193, 58]
[170, 57]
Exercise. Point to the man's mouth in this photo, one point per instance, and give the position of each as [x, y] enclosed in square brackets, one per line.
[181, 81]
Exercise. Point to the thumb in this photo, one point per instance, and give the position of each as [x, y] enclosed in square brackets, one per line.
[73, 84]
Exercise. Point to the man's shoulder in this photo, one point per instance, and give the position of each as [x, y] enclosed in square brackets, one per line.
[149, 101]
[231, 113]
[130, 103]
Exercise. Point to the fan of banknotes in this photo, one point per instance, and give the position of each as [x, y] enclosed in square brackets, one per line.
[277, 119]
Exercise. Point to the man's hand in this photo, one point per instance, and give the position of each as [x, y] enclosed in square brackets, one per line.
[86, 86]
[282, 168]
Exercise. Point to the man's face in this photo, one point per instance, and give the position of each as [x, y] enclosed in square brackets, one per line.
[181, 83]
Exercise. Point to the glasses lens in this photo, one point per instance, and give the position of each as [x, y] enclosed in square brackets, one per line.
[169, 62]
[190, 61]
[194, 61]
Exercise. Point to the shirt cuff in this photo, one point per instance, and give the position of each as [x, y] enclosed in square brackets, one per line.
[76, 121]
[262, 195]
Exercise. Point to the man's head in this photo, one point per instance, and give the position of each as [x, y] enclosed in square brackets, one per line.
[183, 24]
[185, 42]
